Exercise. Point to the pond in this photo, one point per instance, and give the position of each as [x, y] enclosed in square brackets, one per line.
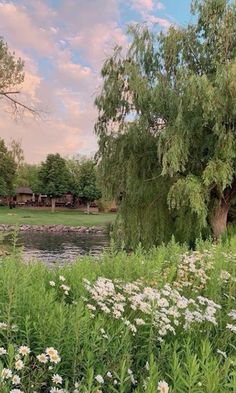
[58, 248]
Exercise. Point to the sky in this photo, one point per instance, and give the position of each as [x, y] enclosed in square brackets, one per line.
[64, 44]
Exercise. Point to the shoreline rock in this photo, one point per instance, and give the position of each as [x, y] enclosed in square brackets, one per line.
[53, 228]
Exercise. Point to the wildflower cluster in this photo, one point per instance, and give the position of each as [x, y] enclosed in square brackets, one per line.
[193, 270]
[51, 355]
[231, 326]
[165, 308]
[225, 276]
[61, 286]
[17, 378]
[19, 367]
[110, 379]
[6, 326]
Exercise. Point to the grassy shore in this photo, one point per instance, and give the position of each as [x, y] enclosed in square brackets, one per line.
[162, 321]
[45, 217]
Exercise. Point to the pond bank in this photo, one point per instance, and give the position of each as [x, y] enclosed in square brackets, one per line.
[53, 228]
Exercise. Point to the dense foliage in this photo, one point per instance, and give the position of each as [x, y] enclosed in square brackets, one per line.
[11, 70]
[11, 82]
[7, 170]
[53, 177]
[167, 127]
[163, 319]
[83, 179]
[17, 152]
[87, 182]
[28, 176]
[73, 167]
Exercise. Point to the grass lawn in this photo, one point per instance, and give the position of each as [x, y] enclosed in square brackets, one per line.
[44, 217]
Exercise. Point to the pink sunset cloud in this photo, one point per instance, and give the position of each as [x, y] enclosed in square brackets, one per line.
[144, 6]
[63, 47]
[97, 43]
[21, 30]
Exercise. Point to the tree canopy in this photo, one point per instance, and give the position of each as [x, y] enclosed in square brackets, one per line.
[167, 127]
[11, 69]
[7, 170]
[28, 176]
[88, 190]
[17, 152]
[11, 80]
[73, 166]
[53, 177]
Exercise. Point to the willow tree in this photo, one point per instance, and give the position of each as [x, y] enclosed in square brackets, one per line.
[167, 126]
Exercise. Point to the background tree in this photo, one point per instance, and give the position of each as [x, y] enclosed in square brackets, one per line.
[88, 190]
[73, 166]
[167, 127]
[53, 177]
[11, 80]
[7, 170]
[28, 176]
[17, 152]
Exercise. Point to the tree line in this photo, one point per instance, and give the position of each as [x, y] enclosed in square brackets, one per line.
[54, 177]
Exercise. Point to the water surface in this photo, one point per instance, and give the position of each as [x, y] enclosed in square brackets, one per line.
[59, 248]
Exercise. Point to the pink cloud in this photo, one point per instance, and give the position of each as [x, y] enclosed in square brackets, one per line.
[20, 30]
[78, 112]
[74, 71]
[40, 12]
[165, 23]
[93, 28]
[97, 43]
[41, 138]
[147, 9]
[79, 15]
[73, 39]
[68, 95]
[144, 6]
[76, 83]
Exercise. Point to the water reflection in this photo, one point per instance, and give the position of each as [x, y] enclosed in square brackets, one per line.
[59, 248]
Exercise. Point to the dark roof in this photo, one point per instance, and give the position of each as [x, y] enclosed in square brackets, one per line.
[24, 190]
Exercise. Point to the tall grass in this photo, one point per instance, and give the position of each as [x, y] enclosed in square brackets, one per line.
[91, 343]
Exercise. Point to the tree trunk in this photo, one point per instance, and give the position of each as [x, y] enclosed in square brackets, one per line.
[219, 219]
[53, 204]
[88, 207]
